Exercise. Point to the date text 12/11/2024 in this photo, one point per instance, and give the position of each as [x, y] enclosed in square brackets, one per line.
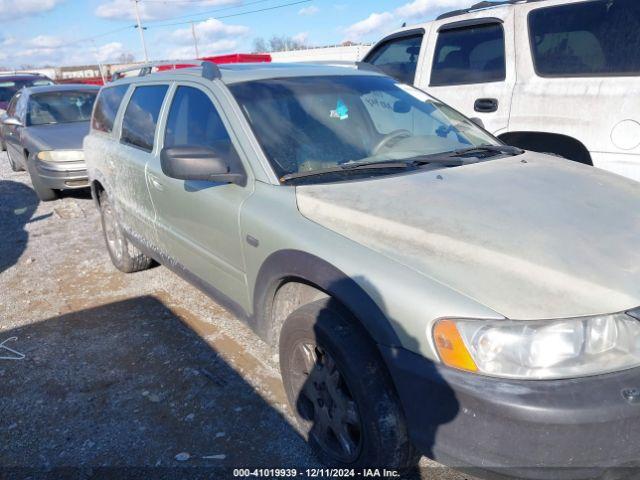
[315, 473]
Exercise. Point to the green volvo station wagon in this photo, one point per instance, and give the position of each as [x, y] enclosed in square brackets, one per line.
[430, 290]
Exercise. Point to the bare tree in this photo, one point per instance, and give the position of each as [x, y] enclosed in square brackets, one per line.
[259, 45]
[277, 44]
[126, 58]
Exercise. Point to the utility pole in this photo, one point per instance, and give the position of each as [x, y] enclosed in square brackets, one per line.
[95, 49]
[195, 39]
[141, 28]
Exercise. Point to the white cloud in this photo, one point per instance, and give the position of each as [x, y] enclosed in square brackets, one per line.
[45, 41]
[23, 8]
[308, 11]
[50, 50]
[377, 23]
[124, 9]
[213, 36]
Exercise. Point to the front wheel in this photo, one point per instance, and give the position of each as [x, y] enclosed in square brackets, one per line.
[124, 256]
[341, 392]
[14, 166]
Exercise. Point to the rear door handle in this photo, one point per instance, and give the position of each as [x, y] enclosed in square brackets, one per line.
[486, 105]
[156, 183]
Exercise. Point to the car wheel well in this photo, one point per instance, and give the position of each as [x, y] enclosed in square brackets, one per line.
[562, 145]
[289, 295]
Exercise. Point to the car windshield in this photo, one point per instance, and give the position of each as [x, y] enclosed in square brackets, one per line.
[306, 124]
[8, 88]
[60, 107]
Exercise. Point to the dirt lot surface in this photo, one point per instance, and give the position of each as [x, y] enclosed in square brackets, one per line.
[125, 375]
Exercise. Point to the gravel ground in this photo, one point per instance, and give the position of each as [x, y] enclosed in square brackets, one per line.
[125, 375]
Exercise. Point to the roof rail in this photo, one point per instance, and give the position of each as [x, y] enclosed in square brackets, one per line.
[145, 69]
[481, 6]
[210, 70]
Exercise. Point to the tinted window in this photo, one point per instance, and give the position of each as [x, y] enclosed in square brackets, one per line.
[107, 106]
[194, 121]
[592, 38]
[398, 58]
[469, 55]
[141, 117]
[60, 107]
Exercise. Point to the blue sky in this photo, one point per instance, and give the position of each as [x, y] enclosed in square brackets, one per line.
[69, 32]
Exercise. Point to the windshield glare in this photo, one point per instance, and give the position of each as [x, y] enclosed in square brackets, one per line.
[60, 107]
[313, 123]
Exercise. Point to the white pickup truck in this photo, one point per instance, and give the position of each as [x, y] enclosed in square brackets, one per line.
[556, 76]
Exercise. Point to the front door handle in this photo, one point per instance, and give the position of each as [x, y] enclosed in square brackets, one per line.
[486, 105]
[156, 183]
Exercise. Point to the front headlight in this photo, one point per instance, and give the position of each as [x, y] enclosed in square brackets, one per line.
[550, 349]
[61, 156]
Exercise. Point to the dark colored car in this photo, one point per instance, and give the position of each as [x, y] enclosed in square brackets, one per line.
[11, 84]
[43, 130]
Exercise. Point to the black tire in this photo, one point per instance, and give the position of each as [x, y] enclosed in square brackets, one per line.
[346, 388]
[125, 256]
[44, 193]
[14, 166]
[3, 146]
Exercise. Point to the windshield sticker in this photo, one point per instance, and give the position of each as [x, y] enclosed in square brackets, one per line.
[341, 111]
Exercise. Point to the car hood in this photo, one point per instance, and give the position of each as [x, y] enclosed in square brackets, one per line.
[64, 136]
[530, 237]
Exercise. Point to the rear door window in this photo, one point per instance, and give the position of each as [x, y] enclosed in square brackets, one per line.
[141, 116]
[596, 38]
[106, 107]
[398, 57]
[469, 55]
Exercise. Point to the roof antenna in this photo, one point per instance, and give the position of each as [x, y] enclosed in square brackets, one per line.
[404, 24]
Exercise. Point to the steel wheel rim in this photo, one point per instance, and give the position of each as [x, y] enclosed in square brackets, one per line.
[325, 402]
[115, 241]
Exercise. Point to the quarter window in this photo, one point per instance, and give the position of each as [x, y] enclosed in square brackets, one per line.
[469, 55]
[587, 39]
[398, 58]
[194, 121]
[141, 117]
[106, 108]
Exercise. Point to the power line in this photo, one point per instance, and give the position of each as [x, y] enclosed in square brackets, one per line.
[205, 12]
[235, 14]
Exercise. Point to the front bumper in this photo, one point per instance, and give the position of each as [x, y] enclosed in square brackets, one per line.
[62, 175]
[562, 429]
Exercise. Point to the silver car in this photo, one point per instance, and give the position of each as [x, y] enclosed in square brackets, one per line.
[43, 130]
[430, 290]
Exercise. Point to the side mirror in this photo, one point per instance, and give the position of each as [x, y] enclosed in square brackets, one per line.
[12, 121]
[202, 163]
[477, 121]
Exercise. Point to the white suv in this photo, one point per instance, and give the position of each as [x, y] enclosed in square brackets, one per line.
[557, 76]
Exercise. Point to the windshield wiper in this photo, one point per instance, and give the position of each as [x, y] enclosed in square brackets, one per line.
[506, 149]
[448, 159]
[348, 167]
